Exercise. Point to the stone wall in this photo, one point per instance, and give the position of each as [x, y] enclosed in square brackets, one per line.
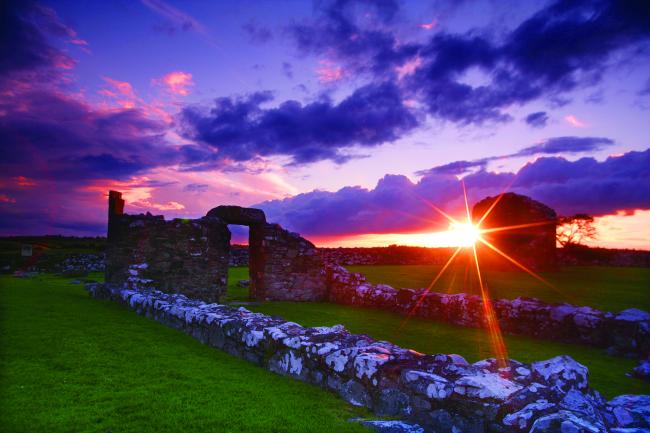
[441, 393]
[625, 333]
[293, 267]
[192, 256]
[405, 255]
[188, 256]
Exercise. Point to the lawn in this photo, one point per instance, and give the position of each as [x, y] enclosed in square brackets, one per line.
[607, 373]
[604, 288]
[72, 363]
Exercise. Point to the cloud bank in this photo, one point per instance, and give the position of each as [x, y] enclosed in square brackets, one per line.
[398, 205]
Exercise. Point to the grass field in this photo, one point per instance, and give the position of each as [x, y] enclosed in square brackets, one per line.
[607, 373]
[608, 289]
[70, 363]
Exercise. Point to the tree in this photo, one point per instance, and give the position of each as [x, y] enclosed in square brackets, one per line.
[575, 230]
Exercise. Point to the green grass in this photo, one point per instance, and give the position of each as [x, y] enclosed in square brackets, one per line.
[72, 363]
[234, 292]
[607, 373]
[47, 250]
[604, 288]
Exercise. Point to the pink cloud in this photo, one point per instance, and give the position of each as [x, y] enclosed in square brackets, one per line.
[408, 68]
[121, 91]
[24, 181]
[329, 72]
[575, 122]
[430, 25]
[6, 199]
[180, 20]
[176, 82]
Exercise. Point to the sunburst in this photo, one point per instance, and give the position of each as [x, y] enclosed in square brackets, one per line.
[471, 234]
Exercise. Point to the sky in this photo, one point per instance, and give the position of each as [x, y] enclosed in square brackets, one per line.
[342, 120]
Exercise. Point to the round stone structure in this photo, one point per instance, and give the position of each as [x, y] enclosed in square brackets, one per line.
[526, 235]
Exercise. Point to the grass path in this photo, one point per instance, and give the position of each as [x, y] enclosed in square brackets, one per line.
[72, 363]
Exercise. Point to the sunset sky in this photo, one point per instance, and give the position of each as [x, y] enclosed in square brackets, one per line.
[342, 120]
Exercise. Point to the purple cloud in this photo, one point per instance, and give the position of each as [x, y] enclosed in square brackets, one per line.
[257, 33]
[537, 120]
[530, 62]
[242, 130]
[398, 205]
[550, 146]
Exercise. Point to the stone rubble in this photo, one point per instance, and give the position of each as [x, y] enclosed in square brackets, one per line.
[437, 393]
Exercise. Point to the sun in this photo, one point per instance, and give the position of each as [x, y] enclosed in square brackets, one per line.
[464, 234]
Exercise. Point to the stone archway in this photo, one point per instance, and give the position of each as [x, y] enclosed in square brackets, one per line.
[191, 256]
[283, 265]
[255, 220]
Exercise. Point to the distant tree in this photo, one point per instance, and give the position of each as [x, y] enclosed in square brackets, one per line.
[575, 229]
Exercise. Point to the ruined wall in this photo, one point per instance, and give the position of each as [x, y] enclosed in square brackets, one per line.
[625, 333]
[441, 393]
[293, 269]
[532, 245]
[192, 256]
[187, 256]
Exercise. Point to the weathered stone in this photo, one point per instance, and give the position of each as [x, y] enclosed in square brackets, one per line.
[630, 411]
[440, 393]
[393, 427]
[392, 402]
[192, 256]
[238, 215]
[566, 422]
[354, 393]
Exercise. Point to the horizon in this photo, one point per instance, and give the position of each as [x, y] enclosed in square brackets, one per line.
[343, 121]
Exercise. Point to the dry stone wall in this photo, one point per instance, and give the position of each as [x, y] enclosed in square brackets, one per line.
[292, 266]
[441, 393]
[187, 256]
[625, 333]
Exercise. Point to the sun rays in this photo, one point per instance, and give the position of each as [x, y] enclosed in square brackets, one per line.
[470, 234]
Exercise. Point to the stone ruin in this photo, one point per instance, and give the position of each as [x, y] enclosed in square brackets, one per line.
[532, 244]
[441, 393]
[191, 256]
[436, 393]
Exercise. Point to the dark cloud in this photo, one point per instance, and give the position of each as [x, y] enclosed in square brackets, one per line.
[64, 148]
[354, 32]
[537, 119]
[24, 28]
[196, 187]
[45, 134]
[569, 144]
[550, 146]
[257, 33]
[397, 205]
[287, 69]
[456, 167]
[646, 89]
[589, 186]
[532, 61]
[242, 130]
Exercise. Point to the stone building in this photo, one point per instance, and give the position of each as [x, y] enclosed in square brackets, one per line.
[191, 256]
[529, 235]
